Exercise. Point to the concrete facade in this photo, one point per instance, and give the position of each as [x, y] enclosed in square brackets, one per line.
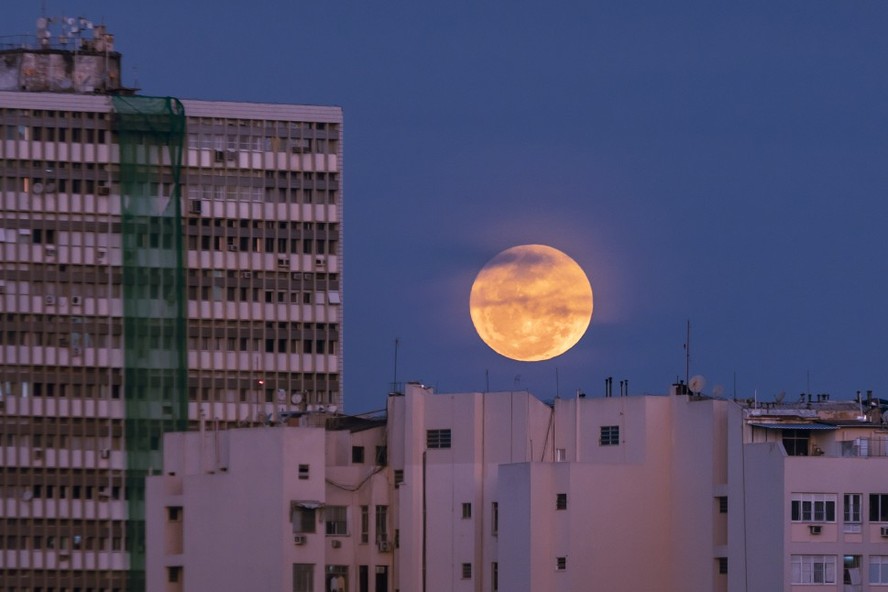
[261, 212]
[500, 491]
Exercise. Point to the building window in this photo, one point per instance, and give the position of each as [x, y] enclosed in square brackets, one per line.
[813, 507]
[561, 455]
[174, 513]
[494, 518]
[851, 575]
[722, 504]
[878, 569]
[174, 573]
[795, 442]
[381, 525]
[722, 565]
[851, 511]
[399, 477]
[878, 507]
[561, 501]
[381, 456]
[303, 471]
[336, 578]
[358, 455]
[365, 524]
[336, 519]
[438, 438]
[494, 576]
[303, 516]
[303, 577]
[561, 563]
[610, 435]
[813, 569]
[467, 571]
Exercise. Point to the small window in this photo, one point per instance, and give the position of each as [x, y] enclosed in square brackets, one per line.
[358, 455]
[336, 519]
[561, 501]
[467, 571]
[561, 455]
[878, 507]
[174, 573]
[723, 504]
[813, 507]
[610, 435]
[438, 438]
[399, 477]
[494, 576]
[722, 565]
[561, 563]
[494, 518]
[381, 456]
[174, 513]
[303, 471]
[466, 510]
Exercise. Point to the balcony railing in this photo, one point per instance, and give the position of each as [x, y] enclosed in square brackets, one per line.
[864, 447]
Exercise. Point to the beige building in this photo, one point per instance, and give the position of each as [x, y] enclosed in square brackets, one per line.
[501, 491]
[161, 262]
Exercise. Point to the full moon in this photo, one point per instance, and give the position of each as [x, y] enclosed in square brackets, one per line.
[531, 303]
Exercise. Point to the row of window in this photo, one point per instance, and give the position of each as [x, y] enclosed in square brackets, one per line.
[60, 543]
[822, 569]
[821, 507]
[305, 516]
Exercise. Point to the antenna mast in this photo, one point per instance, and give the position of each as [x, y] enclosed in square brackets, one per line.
[395, 375]
[688, 355]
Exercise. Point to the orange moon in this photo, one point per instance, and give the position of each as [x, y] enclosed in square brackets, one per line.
[531, 303]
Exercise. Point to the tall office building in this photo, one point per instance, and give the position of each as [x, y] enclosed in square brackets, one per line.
[162, 263]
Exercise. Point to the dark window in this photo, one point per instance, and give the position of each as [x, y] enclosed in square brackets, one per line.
[303, 516]
[303, 471]
[438, 438]
[381, 456]
[494, 511]
[467, 571]
[723, 504]
[610, 436]
[722, 565]
[561, 501]
[795, 442]
[174, 513]
[358, 454]
[878, 507]
[467, 510]
[399, 477]
[561, 563]
[174, 573]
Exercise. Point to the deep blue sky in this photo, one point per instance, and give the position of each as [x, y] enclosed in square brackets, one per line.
[723, 162]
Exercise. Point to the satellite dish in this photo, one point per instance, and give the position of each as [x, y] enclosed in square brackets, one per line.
[282, 395]
[778, 398]
[332, 408]
[718, 390]
[37, 188]
[696, 384]
[296, 398]
[885, 416]
[27, 494]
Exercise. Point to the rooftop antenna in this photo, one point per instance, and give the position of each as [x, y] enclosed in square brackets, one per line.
[687, 348]
[557, 390]
[395, 375]
[696, 384]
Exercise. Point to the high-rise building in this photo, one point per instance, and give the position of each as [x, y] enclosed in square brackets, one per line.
[162, 263]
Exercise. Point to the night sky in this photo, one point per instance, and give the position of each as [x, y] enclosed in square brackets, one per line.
[723, 162]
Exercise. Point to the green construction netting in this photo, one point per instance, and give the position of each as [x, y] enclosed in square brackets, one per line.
[151, 133]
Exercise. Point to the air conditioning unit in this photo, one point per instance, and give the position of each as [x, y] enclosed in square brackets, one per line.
[105, 453]
[49, 300]
[384, 546]
[49, 251]
[320, 262]
[231, 155]
[75, 352]
[100, 254]
[76, 300]
[232, 247]
[884, 532]
[246, 274]
[283, 262]
[37, 453]
[815, 528]
[104, 492]
[299, 539]
[335, 543]
[103, 190]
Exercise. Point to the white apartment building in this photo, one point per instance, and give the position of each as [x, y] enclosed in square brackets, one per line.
[501, 491]
[161, 262]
